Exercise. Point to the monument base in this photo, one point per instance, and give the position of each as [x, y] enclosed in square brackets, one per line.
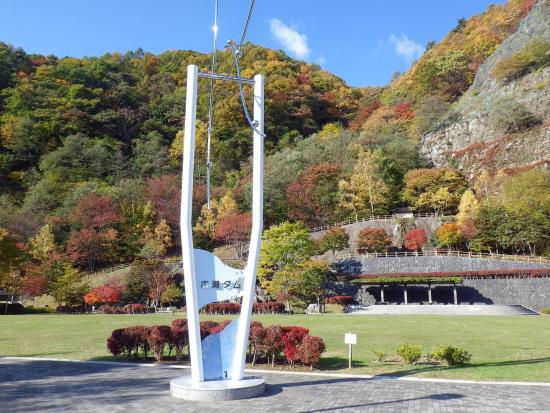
[247, 388]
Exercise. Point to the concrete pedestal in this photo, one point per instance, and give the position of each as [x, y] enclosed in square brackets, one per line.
[248, 387]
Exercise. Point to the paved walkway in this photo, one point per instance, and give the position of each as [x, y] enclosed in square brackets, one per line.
[54, 386]
[441, 309]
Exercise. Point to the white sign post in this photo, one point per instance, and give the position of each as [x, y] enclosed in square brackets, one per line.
[350, 339]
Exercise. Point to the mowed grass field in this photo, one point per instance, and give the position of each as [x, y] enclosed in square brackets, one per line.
[503, 348]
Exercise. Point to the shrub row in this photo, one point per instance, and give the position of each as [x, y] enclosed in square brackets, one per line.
[291, 344]
[70, 309]
[127, 309]
[410, 354]
[339, 299]
[235, 308]
[271, 307]
[221, 308]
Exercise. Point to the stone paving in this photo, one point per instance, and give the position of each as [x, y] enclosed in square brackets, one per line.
[56, 386]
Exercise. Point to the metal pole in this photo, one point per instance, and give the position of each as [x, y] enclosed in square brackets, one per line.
[349, 357]
[188, 257]
[256, 234]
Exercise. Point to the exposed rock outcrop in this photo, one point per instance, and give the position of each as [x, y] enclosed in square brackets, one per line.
[471, 137]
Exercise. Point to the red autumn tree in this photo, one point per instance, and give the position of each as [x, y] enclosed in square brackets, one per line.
[34, 285]
[415, 239]
[235, 230]
[311, 198]
[84, 248]
[165, 193]
[110, 292]
[372, 240]
[96, 212]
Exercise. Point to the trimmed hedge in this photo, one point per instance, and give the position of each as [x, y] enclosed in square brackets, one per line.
[407, 280]
[290, 344]
[339, 299]
[235, 308]
[271, 307]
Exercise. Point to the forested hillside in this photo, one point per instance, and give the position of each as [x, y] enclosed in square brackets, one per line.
[90, 151]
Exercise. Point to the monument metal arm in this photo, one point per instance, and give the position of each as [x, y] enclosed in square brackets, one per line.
[217, 76]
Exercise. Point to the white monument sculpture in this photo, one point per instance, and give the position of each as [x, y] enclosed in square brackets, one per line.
[217, 362]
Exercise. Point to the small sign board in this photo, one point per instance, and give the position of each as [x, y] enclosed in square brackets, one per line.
[350, 338]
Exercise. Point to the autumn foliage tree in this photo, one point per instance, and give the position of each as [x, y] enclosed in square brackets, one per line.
[335, 239]
[448, 235]
[108, 293]
[234, 230]
[312, 197]
[415, 239]
[438, 189]
[372, 240]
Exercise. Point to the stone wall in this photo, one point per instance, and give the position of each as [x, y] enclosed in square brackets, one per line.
[423, 264]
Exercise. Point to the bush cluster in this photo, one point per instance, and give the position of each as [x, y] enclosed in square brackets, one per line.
[339, 299]
[291, 344]
[451, 356]
[409, 353]
[535, 55]
[545, 310]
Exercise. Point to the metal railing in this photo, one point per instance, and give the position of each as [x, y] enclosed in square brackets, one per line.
[446, 253]
[374, 218]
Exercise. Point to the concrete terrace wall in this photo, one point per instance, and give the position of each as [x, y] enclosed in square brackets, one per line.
[421, 264]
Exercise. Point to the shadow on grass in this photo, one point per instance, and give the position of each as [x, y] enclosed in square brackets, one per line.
[338, 363]
[436, 368]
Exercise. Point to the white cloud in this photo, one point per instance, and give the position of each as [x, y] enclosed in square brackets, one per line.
[406, 48]
[292, 41]
[321, 60]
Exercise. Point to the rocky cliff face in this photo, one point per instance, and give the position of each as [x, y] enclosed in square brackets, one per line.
[471, 137]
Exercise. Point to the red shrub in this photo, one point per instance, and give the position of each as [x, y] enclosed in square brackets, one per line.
[158, 338]
[221, 308]
[271, 307]
[180, 322]
[272, 344]
[114, 342]
[180, 337]
[340, 299]
[255, 338]
[207, 327]
[292, 337]
[219, 327]
[404, 111]
[309, 352]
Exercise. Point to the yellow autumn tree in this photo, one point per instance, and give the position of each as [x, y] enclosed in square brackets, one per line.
[365, 193]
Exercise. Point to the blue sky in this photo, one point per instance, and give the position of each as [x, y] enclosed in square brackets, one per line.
[362, 41]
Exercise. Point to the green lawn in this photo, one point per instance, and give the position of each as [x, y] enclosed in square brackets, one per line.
[503, 348]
